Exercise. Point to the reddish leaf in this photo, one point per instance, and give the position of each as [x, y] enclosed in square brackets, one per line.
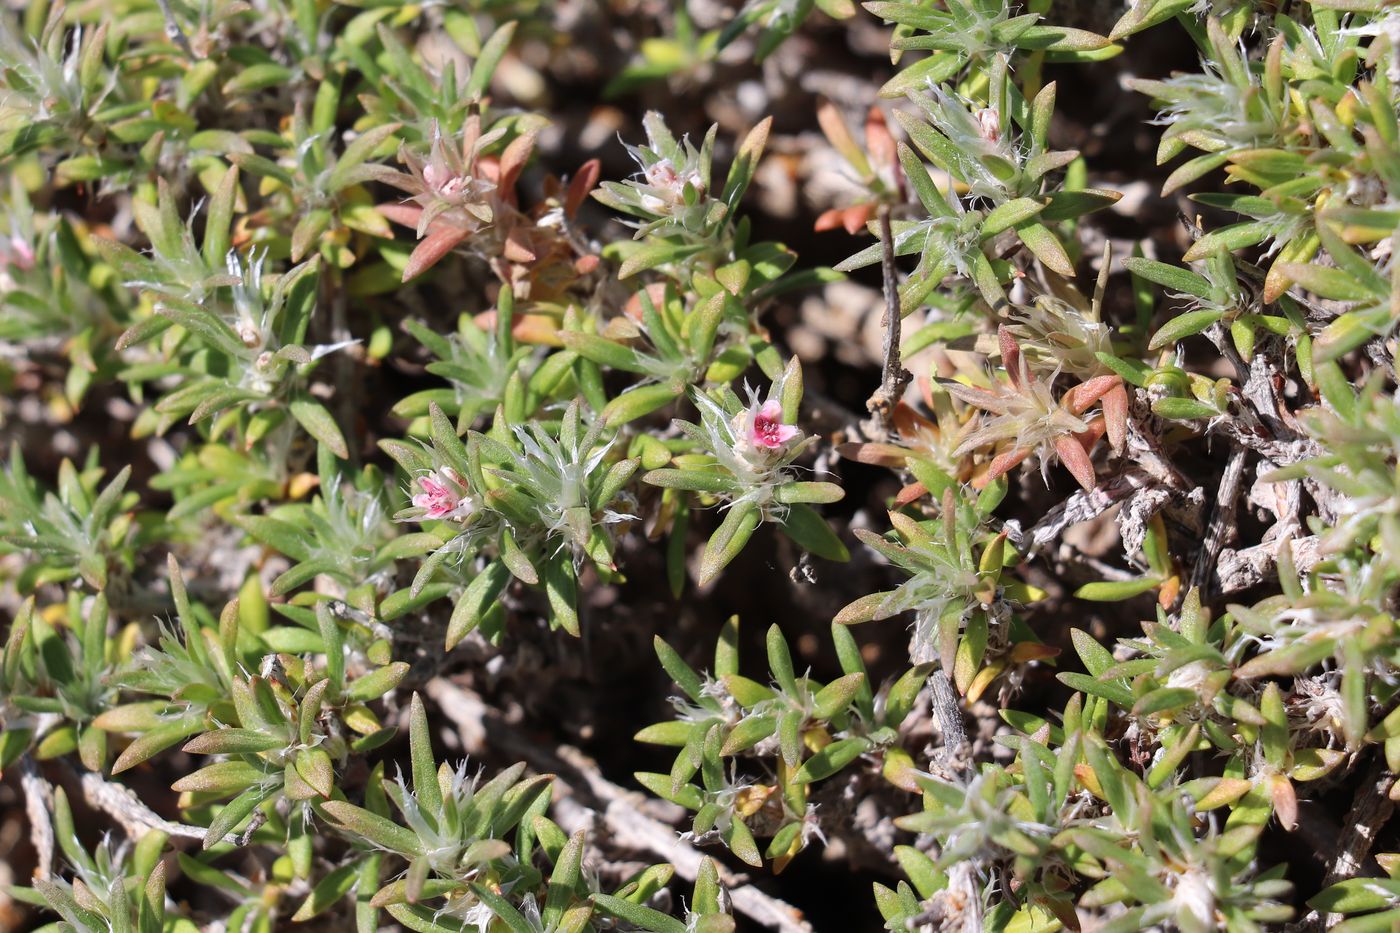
[1115, 413]
[438, 243]
[583, 182]
[405, 215]
[1076, 460]
[910, 494]
[1078, 399]
[1005, 462]
[907, 421]
[855, 218]
[1011, 358]
[513, 162]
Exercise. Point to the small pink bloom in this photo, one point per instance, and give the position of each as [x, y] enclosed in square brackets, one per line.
[443, 181]
[662, 174]
[21, 254]
[668, 186]
[444, 494]
[989, 124]
[767, 428]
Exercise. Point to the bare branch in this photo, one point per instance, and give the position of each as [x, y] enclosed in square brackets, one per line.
[38, 803]
[135, 818]
[587, 797]
[894, 377]
[948, 713]
[172, 29]
[1222, 520]
[1370, 811]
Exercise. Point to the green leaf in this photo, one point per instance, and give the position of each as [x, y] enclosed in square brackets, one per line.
[372, 827]
[1008, 214]
[377, 682]
[833, 699]
[1355, 895]
[485, 65]
[1175, 278]
[1183, 326]
[1182, 409]
[328, 892]
[821, 493]
[1112, 591]
[233, 742]
[748, 733]
[312, 416]
[644, 918]
[223, 777]
[235, 812]
[689, 480]
[637, 402]
[831, 759]
[809, 530]
[1326, 281]
[729, 539]
[479, 596]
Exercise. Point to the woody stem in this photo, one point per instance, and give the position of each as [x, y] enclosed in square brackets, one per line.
[894, 377]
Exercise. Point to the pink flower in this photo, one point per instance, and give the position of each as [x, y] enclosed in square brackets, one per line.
[442, 180]
[20, 254]
[766, 428]
[444, 495]
[760, 432]
[666, 186]
[989, 124]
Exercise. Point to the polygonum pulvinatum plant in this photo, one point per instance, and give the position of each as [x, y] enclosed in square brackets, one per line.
[743, 458]
[464, 194]
[672, 193]
[534, 504]
[1027, 418]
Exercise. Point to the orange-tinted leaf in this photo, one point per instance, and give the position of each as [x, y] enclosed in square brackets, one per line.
[656, 291]
[515, 248]
[583, 182]
[910, 494]
[838, 134]
[1005, 462]
[1011, 357]
[1076, 460]
[1078, 399]
[513, 162]
[1115, 414]
[879, 140]
[875, 454]
[1285, 801]
[438, 243]
[828, 220]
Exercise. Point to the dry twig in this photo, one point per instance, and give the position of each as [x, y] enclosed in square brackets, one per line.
[1370, 811]
[894, 378]
[947, 712]
[172, 29]
[586, 795]
[1222, 521]
[135, 818]
[38, 802]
